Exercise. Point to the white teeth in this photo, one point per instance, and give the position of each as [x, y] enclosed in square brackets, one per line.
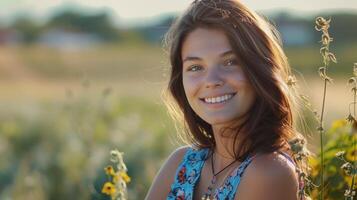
[218, 99]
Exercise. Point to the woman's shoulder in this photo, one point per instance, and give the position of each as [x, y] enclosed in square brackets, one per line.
[177, 156]
[165, 177]
[275, 161]
[187, 152]
[271, 176]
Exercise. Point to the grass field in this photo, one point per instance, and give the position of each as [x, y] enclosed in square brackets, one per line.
[62, 111]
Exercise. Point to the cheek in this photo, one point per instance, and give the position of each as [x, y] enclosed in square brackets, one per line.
[190, 86]
[250, 95]
[237, 76]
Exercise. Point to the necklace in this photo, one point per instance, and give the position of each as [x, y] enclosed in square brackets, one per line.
[207, 195]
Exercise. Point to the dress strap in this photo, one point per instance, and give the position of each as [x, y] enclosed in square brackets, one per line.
[229, 187]
[287, 156]
[301, 182]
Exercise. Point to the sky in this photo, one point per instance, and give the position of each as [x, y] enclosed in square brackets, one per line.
[133, 10]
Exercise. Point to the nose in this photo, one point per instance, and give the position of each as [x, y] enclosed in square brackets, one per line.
[213, 79]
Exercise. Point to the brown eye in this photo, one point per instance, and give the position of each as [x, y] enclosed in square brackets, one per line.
[194, 68]
[230, 62]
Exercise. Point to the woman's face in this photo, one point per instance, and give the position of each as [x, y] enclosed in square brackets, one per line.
[215, 85]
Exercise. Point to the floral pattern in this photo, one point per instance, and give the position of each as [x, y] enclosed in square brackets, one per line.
[189, 172]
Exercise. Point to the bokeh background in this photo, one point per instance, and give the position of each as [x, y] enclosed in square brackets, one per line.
[79, 78]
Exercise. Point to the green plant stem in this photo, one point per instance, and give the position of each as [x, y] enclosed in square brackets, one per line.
[321, 140]
[354, 141]
[354, 164]
[354, 102]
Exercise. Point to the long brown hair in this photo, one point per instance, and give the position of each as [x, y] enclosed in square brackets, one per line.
[269, 124]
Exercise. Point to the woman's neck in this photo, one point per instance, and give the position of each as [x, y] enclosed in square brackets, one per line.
[224, 146]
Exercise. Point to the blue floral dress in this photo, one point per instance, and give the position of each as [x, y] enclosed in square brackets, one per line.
[189, 172]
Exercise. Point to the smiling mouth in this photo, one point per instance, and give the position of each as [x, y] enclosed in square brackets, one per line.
[219, 99]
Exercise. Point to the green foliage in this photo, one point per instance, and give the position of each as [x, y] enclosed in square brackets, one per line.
[61, 153]
[338, 138]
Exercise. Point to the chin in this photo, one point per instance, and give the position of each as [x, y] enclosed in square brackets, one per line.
[220, 121]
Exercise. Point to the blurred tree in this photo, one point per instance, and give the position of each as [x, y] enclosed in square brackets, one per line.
[99, 24]
[28, 28]
[343, 27]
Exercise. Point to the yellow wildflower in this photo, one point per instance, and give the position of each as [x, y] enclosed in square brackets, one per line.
[339, 124]
[125, 177]
[122, 176]
[117, 187]
[314, 163]
[108, 188]
[109, 170]
[350, 155]
[116, 178]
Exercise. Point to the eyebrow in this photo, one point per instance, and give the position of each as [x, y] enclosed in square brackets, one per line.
[190, 58]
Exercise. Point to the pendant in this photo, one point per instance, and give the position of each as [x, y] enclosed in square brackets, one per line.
[213, 181]
[207, 195]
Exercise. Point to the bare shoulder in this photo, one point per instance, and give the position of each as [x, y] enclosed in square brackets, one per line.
[164, 178]
[269, 176]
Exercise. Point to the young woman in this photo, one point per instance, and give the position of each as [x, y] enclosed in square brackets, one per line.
[228, 82]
